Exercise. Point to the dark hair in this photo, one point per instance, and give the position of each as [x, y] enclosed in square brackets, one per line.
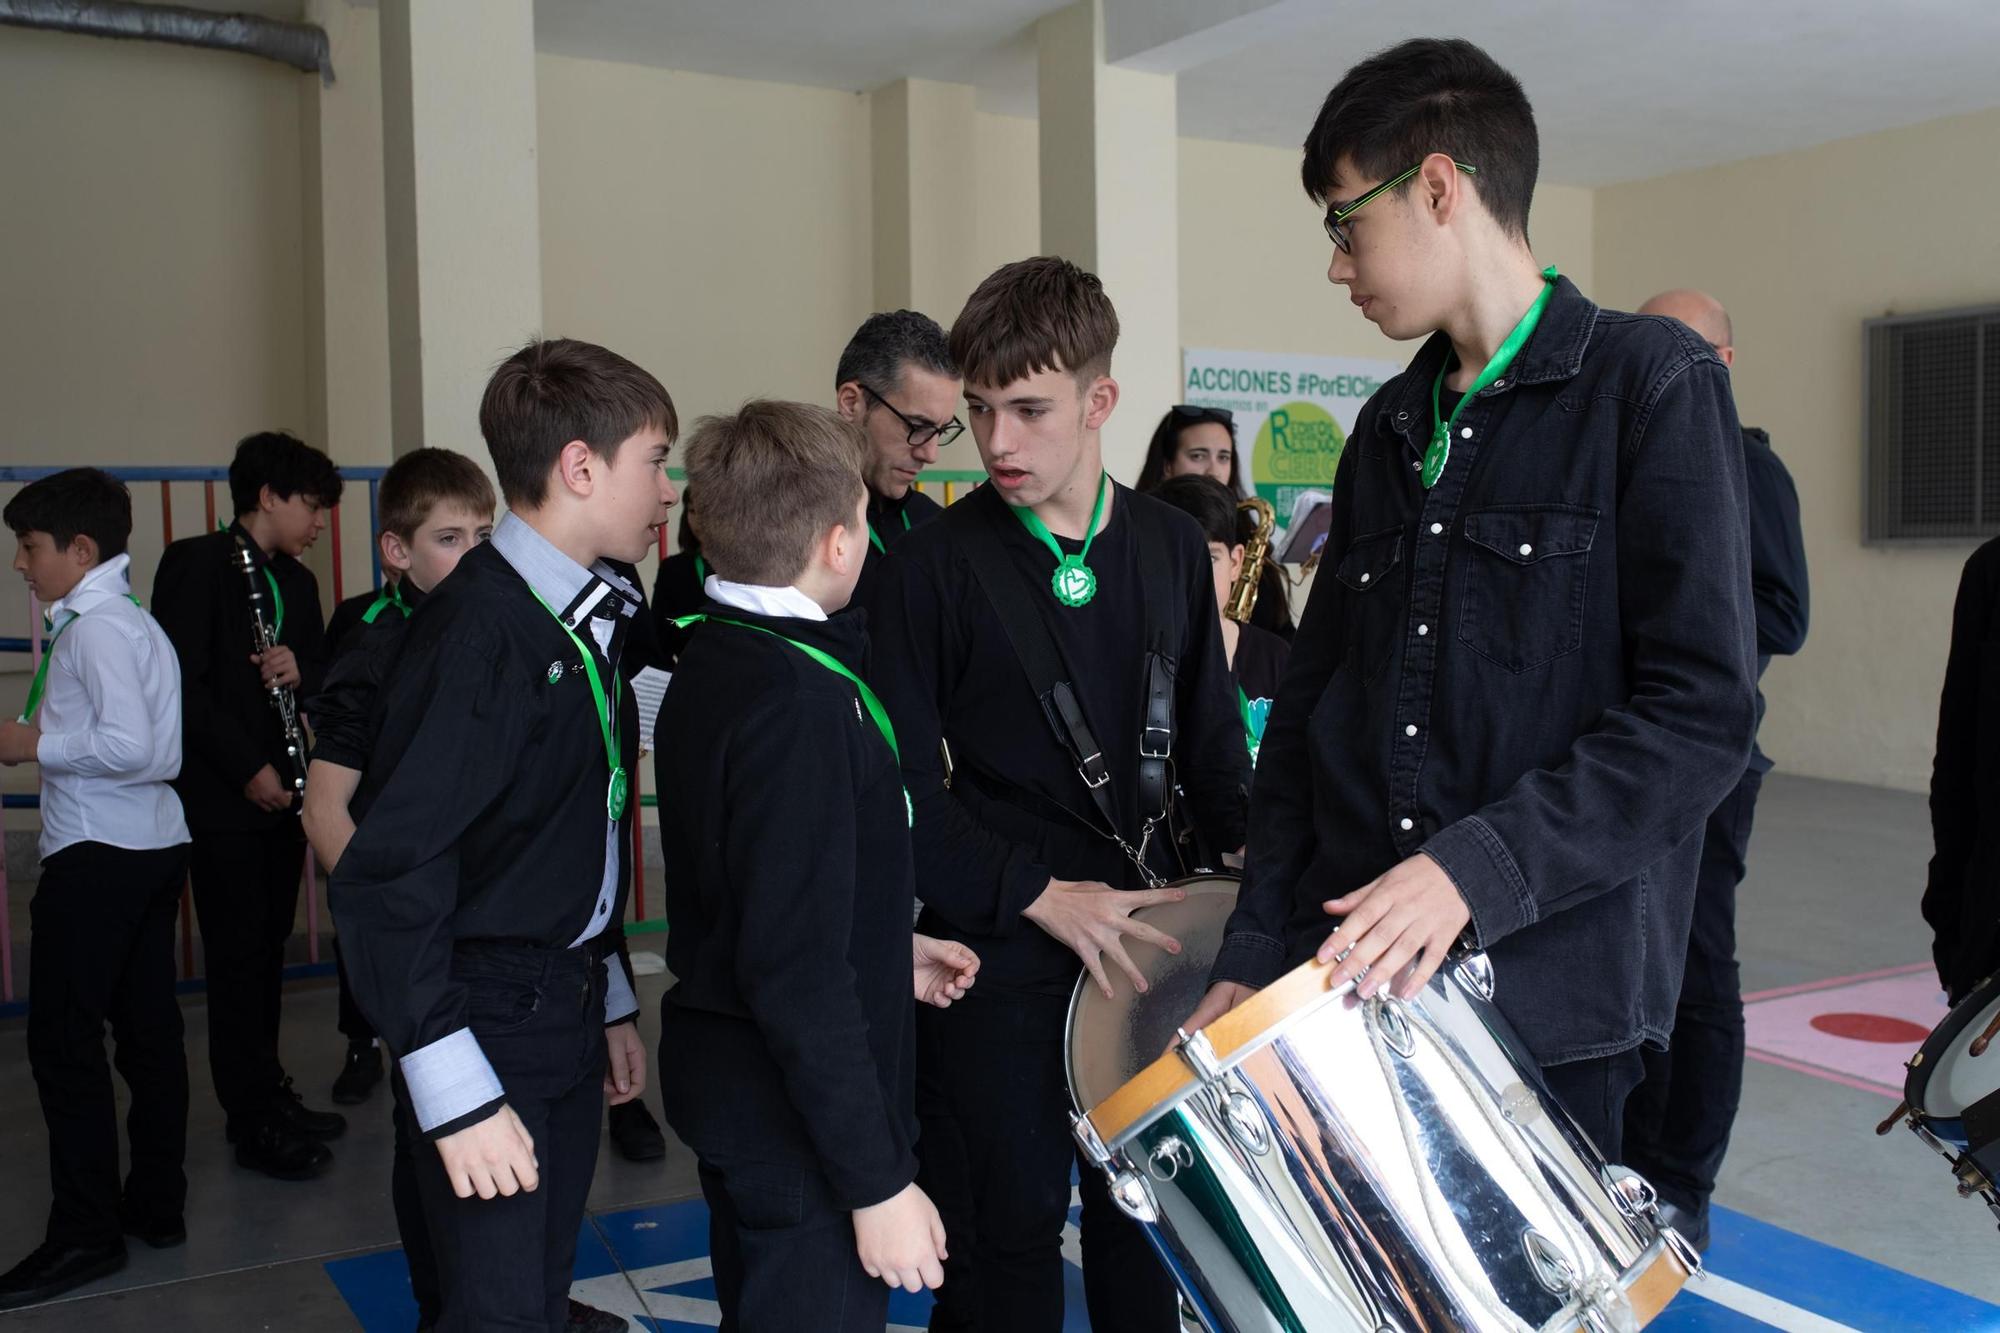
[1033, 315]
[886, 344]
[1209, 501]
[285, 463]
[685, 537]
[556, 390]
[1167, 440]
[420, 481]
[768, 482]
[1430, 95]
[79, 501]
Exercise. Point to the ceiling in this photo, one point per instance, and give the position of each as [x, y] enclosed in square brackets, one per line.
[1623, 89]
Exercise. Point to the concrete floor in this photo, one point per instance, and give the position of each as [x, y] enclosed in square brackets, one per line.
[1835, 876]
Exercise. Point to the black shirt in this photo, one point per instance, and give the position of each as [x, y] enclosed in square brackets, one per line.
[229, 728]
[342, 711]
[347, 616]
[1015, 813]
[1777, 562]
[676, 593]
[1962, 899]
[790, 1029]
[1539, 672]
[889, 522]
[1258, 666]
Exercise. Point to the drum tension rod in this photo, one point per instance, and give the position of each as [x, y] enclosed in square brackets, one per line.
[1199, 1055]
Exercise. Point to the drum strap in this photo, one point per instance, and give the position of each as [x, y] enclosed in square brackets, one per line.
[1040, 654]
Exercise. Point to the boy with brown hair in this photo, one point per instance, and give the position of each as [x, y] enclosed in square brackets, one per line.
[1059, 632]
[497, 787]
[785, 833]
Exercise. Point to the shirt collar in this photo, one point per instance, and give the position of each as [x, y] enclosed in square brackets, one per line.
[573, 592]
[764, 601]
[1555, 353]
[110, 580]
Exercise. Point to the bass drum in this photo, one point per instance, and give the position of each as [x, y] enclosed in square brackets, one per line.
[1952, 1092]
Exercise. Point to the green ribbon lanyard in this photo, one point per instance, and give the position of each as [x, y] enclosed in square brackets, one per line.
[41, 680]
[1074, 582]
[1250, 737]
[838, 668]
[875, 538]
[607, 717]
[391, 595]
[1439, 452]
[277, 598]
[700, 571]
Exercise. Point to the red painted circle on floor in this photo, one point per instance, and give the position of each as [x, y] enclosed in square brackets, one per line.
[1871, 1027]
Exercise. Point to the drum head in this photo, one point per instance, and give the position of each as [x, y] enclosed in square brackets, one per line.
[1111, 1040]
[1945, 1077]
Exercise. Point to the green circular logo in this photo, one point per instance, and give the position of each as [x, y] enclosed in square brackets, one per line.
[1074, 582]
[1299, 444]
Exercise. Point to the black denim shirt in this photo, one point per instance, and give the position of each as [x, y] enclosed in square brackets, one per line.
[1540, 672]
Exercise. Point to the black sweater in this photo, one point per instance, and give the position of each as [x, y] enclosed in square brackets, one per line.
[1962, 899]
[229, 728]
[342, 711]
[987, 847]
[790, 1025]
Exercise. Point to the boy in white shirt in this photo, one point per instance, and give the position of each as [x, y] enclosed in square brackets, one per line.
[103, 719]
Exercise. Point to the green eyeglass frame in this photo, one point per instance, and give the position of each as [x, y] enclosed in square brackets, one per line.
[1336, 218]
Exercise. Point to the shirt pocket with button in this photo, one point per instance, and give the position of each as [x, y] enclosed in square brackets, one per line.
[1525, 570]
[1371, 572]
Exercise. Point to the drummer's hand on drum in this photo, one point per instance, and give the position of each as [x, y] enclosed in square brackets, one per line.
[1407, 918]
[1221, 998]
[901, 1240]
[1091, 919]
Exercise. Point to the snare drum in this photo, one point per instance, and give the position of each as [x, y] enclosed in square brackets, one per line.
[1314, 1161]
[1952, 1092]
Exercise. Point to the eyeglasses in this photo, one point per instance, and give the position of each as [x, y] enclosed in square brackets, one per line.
[921, 432]
[1221, 416]
[1336, 218]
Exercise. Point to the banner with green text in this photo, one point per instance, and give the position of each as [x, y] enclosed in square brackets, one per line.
[1292, 415]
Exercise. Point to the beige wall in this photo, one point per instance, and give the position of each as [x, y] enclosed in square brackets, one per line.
[1802, 247]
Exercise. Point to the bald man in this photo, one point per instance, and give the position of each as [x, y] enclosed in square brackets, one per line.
[1677, 1123]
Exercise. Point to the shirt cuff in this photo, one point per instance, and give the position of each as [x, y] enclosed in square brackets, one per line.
[451, 1082]
[619, 1001]
[1248, 960]
[1486, 876]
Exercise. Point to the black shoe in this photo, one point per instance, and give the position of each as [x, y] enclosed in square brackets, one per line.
[359, 1075]
[161, 1233]
[54, 1269]
[635, 1134]
[322, 1125]
[589, 1319]
[272, 1146]
[1693, 1226]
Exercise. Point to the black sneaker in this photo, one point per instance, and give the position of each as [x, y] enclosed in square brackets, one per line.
[635, 1134]
[322, 1125]
[589, 1319]
[161, 1233]
[1693, 1226]
[54, 1269]
[359, 1075]
[270, 1144]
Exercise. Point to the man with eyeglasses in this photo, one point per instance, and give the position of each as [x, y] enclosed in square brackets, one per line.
[897, 382]
[1526, 675]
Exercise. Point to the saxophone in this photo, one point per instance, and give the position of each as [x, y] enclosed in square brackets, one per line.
[1243, 594]
[265, 639]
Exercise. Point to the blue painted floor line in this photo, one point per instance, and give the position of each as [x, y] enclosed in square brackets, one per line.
[651, 1264]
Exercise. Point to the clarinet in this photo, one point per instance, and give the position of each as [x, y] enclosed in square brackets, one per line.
[281, 698]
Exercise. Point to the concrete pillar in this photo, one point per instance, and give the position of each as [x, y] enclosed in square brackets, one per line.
[1110, 202]
[463, 208]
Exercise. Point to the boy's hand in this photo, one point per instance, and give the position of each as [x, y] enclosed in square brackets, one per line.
[265, 792]
[901, 1240]
[278, 667]
[1220, 999]
[944, 969]
[625, 1064]
[495, 1156]
[18, 741]
[1405, 919]
[1091, 919]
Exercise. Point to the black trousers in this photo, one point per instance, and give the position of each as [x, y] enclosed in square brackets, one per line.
[1594, 1092]
[784, 1253]
[246, 896]
[354, 1024]
[995, 1155]
[504, 1263]
[406, 1197]
[102, 949]
[1677, 1124]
